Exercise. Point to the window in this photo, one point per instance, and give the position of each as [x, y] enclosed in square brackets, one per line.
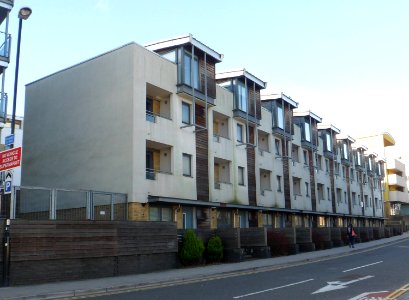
[185, 113]
[280, 117]
[241, 176]
[187, 165]
[358, 158]
[306, 157]
[160, 214]
[241, 101]
[320, 191]
[150, 115]
[294, 153]
[328, 144]
[329, 193]
[307, 132]
[297, 186]
[345, 197]
[327, 165]
[319, 162]
[240, 133]
[277, 146]
[353, 198]
[278, 183]
[344, 172]
[345, 151]
[150, 172]
[366, 201]
[189, 69]
[307, 189]
[339, 195]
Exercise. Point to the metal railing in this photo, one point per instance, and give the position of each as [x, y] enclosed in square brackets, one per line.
[5, 46]
[39, 203]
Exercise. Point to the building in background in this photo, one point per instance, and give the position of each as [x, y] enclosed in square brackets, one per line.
[188, 144]
[395, 182]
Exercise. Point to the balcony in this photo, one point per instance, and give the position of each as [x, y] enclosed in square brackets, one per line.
[222, 192]
[394, 179]
[222, 147]
[3, 108]
[397, 196]
[4, 51]
[395, 164]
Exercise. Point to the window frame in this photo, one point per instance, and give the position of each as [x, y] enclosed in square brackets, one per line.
[188, 106]
[189, 157]
[240, 176]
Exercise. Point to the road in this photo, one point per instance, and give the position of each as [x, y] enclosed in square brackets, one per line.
[352, 276]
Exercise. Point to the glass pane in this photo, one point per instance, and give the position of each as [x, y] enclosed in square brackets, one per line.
[329, 145]
[307, 132]
[186, 165]
[186, 69]
[280, 117]
[154, 213]
[167, 214]
[185, 113]
[170, 56]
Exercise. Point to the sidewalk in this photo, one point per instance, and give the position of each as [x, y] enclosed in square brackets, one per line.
[177, 276]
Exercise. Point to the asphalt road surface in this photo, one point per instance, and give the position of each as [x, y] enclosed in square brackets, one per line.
[362, 275]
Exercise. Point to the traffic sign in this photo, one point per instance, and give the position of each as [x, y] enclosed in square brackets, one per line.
[8, 181]
[10, 159]
[9, 140]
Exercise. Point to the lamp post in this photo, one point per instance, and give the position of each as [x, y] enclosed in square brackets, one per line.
[23, 14]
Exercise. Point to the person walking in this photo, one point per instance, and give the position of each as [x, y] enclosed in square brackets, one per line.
[351, 235]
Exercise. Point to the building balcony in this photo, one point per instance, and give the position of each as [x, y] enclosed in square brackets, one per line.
[4, 51]
[395, 164]
[5, 7]
[243, 116]
[266, 198]
[3, 108]
[394, 179]
[187, 91]
[159, 129]
[397, 196]
[223, 147]
[223, 192]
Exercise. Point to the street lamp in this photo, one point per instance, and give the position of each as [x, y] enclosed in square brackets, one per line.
[23, 14]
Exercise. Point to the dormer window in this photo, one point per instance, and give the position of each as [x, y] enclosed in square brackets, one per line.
[189, 68]
[241, 100]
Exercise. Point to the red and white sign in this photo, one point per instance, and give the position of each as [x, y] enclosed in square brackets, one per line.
[10, 159]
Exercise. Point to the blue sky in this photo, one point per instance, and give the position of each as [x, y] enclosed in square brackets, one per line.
[346, 61]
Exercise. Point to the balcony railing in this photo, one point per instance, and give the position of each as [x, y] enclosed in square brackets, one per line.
[5, 46]
[151, 174]
[3, 108]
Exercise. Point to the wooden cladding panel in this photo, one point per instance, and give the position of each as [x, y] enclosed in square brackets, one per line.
[286, 175]
[210, 73]
[254, 111]
[332, 176]
[251, 176]
[312, 181]
[40, 240]
[202, 155]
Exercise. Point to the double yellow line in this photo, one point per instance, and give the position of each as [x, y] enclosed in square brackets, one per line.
[399, 292]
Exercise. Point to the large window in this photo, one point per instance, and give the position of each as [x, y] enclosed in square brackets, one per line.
[280, 117]
[189, 68]
[240, 133]
[187, 165]
[185, 113]
[241, 97]
[307, 132]
[277, 146]
[328, 144]
[241, 176]
[345, 151]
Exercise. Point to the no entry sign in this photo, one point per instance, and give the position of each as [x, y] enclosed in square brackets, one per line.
[10, 159]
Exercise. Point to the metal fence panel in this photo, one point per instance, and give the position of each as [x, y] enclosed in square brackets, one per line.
[71, 205]
[33, 203]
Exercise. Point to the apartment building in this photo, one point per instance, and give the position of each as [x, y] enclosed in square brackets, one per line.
[188, 144]
[395, 184]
